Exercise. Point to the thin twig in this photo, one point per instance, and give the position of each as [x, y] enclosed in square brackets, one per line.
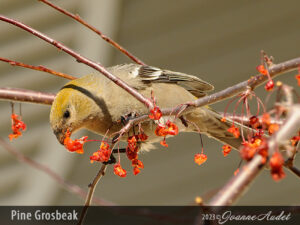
[89, 197]
[81, 59]
[294, 170]
[236, 186]
[286, 131]
[246, 121]
[39, 68]
[75, 189]
[29, 96]
[94, 29]
[289, 163]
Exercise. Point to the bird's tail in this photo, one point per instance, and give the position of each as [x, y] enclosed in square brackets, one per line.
[209, 122]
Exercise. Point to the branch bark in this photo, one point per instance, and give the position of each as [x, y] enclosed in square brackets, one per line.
[89, 197]
[38, 68]
[245, 120]
[28, 96]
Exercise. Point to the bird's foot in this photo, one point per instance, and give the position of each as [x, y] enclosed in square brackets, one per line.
[126, 118]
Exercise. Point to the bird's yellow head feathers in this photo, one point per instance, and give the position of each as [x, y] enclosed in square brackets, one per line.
[71, 107]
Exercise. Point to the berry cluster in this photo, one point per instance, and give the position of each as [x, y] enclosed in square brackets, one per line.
[16, 125]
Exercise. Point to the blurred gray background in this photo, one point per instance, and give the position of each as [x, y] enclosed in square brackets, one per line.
[219, 41]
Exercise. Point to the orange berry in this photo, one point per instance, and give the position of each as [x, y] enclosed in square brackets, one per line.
[74, 145]
[200, 158]
[266, 119]
[236, 171]
[276, 165]
[143, 136]
[261, 69]
[136, 170]
[164, 143]
[155, 113]
[118, 170]
[273, 128]
[103, 154]
[234, 130]
[254, 122]
[298, 79]
[16, 126]
[226, 150]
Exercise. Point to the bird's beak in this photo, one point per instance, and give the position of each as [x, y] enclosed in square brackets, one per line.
[60, 136]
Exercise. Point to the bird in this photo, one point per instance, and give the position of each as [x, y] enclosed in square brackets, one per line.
[95, 103]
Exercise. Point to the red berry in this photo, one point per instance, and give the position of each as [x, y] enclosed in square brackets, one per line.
[269, 85]
[254, 122]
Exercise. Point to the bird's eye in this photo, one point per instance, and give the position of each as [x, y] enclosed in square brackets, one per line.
[66, 114]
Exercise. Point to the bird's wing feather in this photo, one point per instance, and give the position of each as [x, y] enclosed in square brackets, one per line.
[191, 83]
[150, 74]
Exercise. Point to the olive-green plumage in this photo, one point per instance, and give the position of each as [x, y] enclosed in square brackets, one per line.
[95, 103]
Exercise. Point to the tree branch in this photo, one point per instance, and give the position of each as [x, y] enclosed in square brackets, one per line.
[39, 68]
[245, 120]
[290, 127]
[89, 197]
[236, 186]
[82, 59]
[23, 95]
[103, 36]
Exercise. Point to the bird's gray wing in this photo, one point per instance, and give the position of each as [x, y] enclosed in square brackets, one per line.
[150, 74]
[191, 83]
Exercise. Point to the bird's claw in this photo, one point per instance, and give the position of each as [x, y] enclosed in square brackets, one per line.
[126, 118]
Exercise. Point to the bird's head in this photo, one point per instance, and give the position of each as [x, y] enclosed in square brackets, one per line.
[70, 109]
